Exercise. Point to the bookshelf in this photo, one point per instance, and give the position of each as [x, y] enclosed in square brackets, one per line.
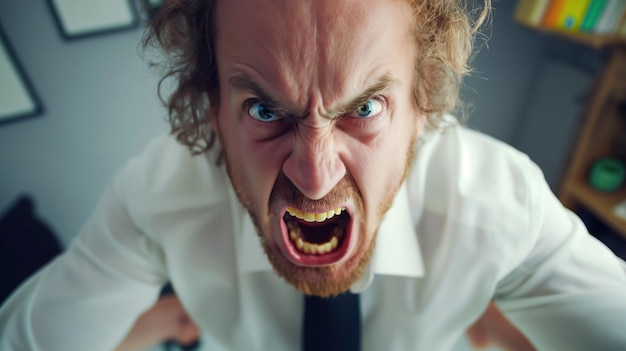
[602, 131]
[601, 205]
[596, 41]
[597, 23]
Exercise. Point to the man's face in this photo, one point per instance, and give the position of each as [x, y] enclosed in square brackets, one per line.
[316, 117]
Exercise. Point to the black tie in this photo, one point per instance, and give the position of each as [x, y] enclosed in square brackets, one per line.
[332, 324]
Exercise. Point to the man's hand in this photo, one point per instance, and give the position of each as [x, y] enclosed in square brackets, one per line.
[166, 320]
[493, 329]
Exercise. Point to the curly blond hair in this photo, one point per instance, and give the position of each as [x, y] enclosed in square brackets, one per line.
[184, 31]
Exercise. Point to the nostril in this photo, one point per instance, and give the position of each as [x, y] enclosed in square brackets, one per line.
[313, 165]
[313, 180]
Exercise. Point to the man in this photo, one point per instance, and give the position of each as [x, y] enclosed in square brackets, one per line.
[336, 151]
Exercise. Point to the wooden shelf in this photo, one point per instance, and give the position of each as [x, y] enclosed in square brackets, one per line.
[594, 40]
[601, 204]
[601, 128]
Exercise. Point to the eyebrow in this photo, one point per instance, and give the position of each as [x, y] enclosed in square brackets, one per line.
[244, 82]
[384, 83]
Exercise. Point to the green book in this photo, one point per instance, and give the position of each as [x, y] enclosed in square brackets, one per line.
[593, 14]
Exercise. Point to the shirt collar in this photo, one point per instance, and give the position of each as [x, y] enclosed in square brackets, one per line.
[397, 251]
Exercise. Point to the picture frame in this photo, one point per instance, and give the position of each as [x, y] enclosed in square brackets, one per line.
[82, 18]
[17, 96]
[148, 8]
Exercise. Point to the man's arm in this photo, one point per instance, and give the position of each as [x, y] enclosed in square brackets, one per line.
[87, 298]
[165, 320]
[492, 329]
[569, 293]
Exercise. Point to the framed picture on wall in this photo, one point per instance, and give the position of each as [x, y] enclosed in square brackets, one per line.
[148, 8]
[17, 98]
[80, 18]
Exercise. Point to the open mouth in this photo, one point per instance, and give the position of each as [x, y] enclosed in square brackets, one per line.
[317, 233]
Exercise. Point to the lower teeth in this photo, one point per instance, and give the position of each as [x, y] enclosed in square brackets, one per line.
[311, 248]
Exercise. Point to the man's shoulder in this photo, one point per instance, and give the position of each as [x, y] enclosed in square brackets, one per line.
[463, 154]
[475, 177]
[165, 172]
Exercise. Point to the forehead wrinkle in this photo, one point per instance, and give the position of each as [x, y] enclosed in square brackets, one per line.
[348, 50]
[311, 63]
[289, 45]
[269, 43]
[331, 55]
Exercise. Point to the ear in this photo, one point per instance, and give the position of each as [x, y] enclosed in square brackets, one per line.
[214, 114]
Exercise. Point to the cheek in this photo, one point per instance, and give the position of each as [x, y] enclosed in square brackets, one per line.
[376, 167]
[379, 166]
[255, 165]
[264, 162]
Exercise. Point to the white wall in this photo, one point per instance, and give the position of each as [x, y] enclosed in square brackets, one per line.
[550, 121]
[554, 108]
[101, 106]
[505, 71]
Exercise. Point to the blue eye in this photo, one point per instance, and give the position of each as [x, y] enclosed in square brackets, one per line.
[370, 108]
[260, 112]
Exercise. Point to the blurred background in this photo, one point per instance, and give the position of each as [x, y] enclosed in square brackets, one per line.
[99, 106]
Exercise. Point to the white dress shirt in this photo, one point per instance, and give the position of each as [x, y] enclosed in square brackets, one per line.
[473, 221]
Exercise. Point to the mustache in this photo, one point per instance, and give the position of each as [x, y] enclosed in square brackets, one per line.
[345, 189]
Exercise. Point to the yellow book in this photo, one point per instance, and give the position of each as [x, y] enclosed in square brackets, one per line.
[572, 15]
[530, 12]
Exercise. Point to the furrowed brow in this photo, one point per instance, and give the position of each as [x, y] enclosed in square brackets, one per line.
[384, 83]
[245, 83]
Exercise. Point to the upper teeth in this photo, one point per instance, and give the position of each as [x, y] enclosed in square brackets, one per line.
[313, 217]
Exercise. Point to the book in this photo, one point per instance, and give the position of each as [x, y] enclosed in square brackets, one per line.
[530, 12]
[572, 14]
[553, 12]
[620, 210]
[610, 17]
[593, 14]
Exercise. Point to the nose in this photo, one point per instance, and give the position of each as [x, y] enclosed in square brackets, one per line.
[314, 165]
